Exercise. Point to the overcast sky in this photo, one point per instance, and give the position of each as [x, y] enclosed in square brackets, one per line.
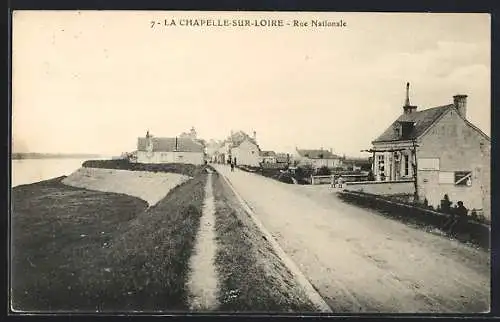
[95, 81]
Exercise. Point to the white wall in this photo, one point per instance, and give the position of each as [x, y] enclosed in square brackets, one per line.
[382, 187]
[458, 148]
[318, 163]
[246, 153]
[171, 157]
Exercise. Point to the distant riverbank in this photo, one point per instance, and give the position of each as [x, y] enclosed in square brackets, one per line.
[35, 155]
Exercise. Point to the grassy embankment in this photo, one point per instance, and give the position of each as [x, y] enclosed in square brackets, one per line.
[82, 250]
[252, 277]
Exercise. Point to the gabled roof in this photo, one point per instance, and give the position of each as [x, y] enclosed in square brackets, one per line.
[267, 153]
[239, 137]
[317, 154]
[169, 145]
[422, 120]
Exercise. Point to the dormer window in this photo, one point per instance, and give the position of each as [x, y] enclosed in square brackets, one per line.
[406, 129]
[397, 129]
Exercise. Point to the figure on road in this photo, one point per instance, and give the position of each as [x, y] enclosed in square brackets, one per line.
[459, 218]
[232, 167]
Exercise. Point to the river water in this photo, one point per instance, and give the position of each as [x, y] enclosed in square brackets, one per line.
[27, 171]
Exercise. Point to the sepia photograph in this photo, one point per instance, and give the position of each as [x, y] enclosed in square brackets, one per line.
[250, 162]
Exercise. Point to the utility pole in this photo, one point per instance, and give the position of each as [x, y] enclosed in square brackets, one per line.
[415, 170]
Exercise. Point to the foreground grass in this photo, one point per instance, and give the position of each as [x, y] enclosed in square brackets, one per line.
[252, 277]
[130, 259]
[54, 226]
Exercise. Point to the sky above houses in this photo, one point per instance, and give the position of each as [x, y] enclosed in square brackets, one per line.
[92, 82]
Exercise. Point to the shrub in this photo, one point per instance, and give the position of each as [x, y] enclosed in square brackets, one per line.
[285, 177]
[324, 171]
[303, 171]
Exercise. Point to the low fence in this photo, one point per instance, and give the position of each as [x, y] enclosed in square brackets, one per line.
[328, 179]
[278, 165]
[382, 187]
[471, 231]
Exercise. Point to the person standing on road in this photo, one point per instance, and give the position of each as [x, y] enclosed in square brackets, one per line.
[339, 181]
[459, 217]
[232, 167]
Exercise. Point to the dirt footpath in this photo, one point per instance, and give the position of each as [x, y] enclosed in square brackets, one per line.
[362, 262]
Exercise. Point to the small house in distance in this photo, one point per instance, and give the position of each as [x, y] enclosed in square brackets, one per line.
[169, 150]
[244, 149]
[283, 158]
[240, 148]
[268, 156]
[318, 158]
[433, 152]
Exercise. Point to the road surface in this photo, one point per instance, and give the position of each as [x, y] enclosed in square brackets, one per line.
[360, 261]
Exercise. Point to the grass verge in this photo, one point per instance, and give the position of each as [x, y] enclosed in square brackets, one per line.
[81, 250]
[252, 276]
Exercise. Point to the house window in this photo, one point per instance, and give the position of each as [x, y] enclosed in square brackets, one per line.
[406, 164]
[381, 164]
[463, 178]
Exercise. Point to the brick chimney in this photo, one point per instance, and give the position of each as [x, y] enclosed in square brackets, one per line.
[460, 102]
[407, 108]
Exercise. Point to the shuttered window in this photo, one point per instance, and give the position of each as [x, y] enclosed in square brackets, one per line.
[463, 178]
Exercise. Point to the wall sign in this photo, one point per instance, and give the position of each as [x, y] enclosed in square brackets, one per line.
[428, 164]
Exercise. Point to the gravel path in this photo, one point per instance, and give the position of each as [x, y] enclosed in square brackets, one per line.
[203, 281]
[362, 262]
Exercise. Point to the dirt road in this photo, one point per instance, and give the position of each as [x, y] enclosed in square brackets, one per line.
[360, 261]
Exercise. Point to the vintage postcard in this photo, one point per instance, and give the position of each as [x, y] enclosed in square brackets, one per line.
[250, 162]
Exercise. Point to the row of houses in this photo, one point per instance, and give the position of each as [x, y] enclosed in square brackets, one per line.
[238, 147]
[428, 153]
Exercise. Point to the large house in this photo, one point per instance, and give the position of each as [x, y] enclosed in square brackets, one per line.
[318, 158]
[440, 151]
[239, 148]
[169, 150]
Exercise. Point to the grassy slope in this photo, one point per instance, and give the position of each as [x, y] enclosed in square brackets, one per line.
[54, 228]
[252, 277]
[129, 259]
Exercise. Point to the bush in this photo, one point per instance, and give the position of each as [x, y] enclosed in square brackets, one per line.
[303, 172]
[285, 177]
[324, 171]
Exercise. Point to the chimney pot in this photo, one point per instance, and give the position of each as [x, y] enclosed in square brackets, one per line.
[460, 103]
